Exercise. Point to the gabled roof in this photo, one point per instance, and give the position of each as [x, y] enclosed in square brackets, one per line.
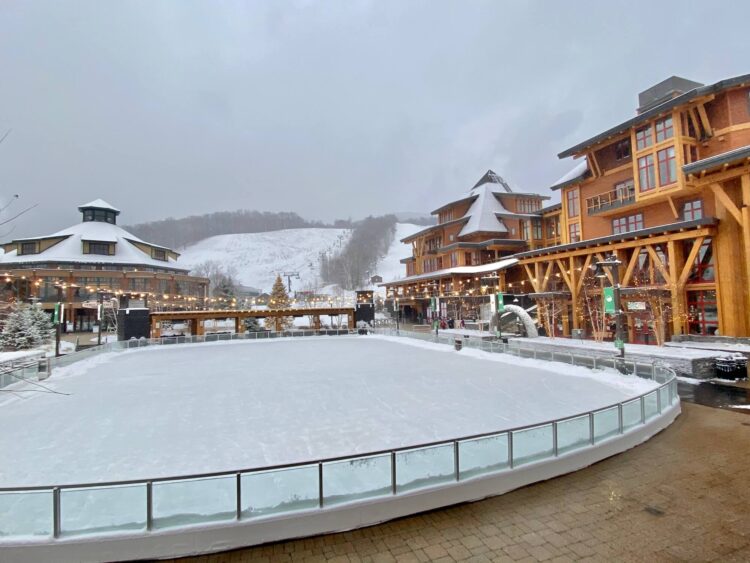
[491, 177]
[482, 213]
[99, 204]
[578, 173]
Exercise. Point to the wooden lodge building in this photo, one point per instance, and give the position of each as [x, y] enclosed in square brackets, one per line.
[667, 192]
[97, 259]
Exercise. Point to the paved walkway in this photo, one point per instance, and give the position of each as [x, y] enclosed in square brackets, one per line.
[682, 496]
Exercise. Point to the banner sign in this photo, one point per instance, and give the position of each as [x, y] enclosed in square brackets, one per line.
[636, 305]
[500, 303]
[608, 294]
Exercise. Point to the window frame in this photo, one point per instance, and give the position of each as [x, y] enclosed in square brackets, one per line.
[650, 173]
[623, 150]
[573, 200]
[691, 208]
[668, 165]
[663, 130]
[644, 137]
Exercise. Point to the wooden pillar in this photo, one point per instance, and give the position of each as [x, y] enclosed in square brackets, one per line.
[351, 320]
[155, 328]
[676, 263]
[197, 326]
[238, 325]
[745, 211]
[575, 276]
[316, 322]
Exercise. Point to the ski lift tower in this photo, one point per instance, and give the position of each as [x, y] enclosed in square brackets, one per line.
[289, 276]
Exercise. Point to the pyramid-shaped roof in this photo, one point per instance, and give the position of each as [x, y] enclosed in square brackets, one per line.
[481, 215]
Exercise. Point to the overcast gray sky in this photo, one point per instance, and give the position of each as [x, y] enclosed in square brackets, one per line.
[330, 109]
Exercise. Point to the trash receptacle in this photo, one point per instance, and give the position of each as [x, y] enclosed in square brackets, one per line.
[731, 367]
[577, 333]
[458, 343]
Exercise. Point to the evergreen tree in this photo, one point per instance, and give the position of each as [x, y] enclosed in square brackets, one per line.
[19, 331]
[252, 324]
[279, 300]
[43, 323]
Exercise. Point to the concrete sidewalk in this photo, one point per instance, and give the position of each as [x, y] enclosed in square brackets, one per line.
[681, 496]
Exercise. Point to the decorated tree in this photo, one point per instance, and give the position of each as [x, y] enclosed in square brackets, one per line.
[279, 300]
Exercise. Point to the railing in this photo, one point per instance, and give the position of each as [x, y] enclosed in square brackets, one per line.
[610, 200]
[140, 506]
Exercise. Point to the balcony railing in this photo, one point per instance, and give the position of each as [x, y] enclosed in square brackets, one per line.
[610, 200]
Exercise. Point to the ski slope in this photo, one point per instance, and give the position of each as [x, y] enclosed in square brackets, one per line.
[258, 257]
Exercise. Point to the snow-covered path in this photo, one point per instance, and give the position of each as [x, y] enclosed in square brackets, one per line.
[229, 405]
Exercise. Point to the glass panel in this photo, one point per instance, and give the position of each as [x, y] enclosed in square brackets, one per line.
[532, 444]
[26, 513]
[482, 455]
[352, 479]
[664, 397]
[606, 424]
[651, 406]
[573, 434]
[282, 490]
[177, 503]
[424, 467]
[631, 414]
[103, 509]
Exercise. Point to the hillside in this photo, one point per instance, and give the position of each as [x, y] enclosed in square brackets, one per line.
[258, 257]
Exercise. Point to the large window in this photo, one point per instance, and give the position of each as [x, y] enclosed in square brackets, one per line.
[28, 248]
[703, 314]
[643, 137]
[573, 203]
[703, 267]
[692, 210]
[574, 231]
[536, 229]
[627, 224]
[528, 205]
[524, 230]
[664, 129]
[667, 166]
[646, 175]
[99, 215]
[622, 149]
[159, 254]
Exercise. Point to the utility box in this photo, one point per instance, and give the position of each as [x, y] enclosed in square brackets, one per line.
[133, 323]
[365, 308]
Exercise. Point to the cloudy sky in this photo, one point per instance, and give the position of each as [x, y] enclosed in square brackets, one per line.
[330, 109]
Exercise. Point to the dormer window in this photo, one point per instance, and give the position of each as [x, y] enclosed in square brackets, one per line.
[159, 254]
[102, 248]
[101, 215]
[28, 248]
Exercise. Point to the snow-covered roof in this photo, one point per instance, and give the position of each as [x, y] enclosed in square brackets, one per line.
[99, 204]
[70, 250]
[482, 212]
[483, 269]
[576, 173]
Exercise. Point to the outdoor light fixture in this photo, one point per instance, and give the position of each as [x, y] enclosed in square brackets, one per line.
[613, 265]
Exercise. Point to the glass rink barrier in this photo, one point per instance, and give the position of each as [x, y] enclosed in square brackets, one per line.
[49, 512]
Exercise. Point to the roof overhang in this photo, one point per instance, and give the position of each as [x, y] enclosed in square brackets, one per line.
[468, 199]
[656, 111]
[433, 228]
[458, 270]
[718, 161]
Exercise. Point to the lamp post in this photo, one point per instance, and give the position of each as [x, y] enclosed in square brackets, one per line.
[398, 316]
[613, 264]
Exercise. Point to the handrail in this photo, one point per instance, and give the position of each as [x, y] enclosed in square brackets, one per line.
[318, 461]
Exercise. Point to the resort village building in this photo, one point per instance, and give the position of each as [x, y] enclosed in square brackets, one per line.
[97, 260]
[667, 193]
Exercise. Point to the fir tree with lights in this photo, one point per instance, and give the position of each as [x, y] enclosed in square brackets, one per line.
[279, 300]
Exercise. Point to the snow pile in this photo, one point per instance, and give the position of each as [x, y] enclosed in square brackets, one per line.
[259, 257]
[227, 405]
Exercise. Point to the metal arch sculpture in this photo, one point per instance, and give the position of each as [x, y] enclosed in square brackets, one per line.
[528, 322]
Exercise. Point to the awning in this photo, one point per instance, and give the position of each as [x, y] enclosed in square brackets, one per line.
[458, 270]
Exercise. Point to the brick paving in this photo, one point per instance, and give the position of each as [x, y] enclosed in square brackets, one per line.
[682, 496]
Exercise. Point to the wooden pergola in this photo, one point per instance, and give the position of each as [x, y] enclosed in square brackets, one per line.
[197, 318]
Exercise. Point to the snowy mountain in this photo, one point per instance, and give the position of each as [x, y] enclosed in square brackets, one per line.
[258, 257]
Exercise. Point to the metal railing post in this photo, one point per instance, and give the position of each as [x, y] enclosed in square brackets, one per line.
[594, 363]
[239, 495]
[510, 449]
[320, 485]
[554, 438]
[149, 506]
[56, 526]
[393, 473]
[653, 370]
[591, 427]
[619, 417]
[658, 400]
[456, 461]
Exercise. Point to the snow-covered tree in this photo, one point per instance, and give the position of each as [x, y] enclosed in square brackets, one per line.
[43, 323]
[279, 300]
[19, 330]
[252, 324]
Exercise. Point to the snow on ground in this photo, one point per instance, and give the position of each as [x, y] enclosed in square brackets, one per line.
[227, 405]
[258, 257]
[390, 267]
[656, 351]
[714, 346]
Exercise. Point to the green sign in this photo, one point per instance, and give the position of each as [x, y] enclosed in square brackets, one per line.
[433, 303]
[56, 317]
[619, 344]
[608, 294]
[500, 303]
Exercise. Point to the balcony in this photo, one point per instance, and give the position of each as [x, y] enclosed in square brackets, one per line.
[618, 197]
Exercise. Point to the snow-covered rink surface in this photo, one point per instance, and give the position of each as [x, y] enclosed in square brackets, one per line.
[188, 409]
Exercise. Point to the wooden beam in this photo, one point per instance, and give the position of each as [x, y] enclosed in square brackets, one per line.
[672, 205]
[696, 122]
[584, 269]
[657, 261]
[704, 120]
[607, 271]
[706, 178]
[594, 164]
[631, 266]
[689, 261]
[531, 277]
[547, 274]
[726, 201]
[564, 274]
[745, 181]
